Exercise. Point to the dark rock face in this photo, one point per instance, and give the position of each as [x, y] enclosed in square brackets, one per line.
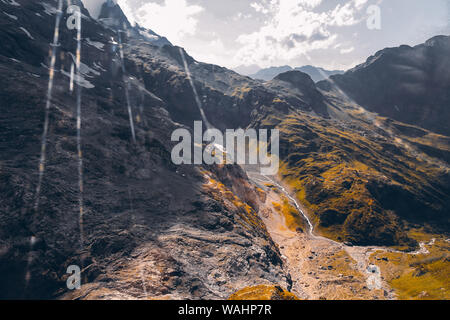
[137, 204]
[409, 84]
[297, 84]
[113, 15]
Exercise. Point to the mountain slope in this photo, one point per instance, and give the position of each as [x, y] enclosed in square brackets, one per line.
[186, 240]
[316, 73]
[151, 229]
[270, 73]
[414, 84]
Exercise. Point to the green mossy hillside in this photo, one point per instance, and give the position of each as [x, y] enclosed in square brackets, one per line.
[263, 292]
[358, 183]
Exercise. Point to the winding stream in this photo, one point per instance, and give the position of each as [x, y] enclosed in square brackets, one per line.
[360, 254]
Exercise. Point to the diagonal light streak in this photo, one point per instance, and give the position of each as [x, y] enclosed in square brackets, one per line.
[53, 47]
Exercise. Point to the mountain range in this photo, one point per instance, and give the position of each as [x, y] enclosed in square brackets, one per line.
[413, 81]
[359, 209]
[316, 73]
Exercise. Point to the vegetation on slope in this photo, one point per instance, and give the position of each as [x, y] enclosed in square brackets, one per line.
[263, 292]
[422, 276]
[290, 214]
[358, 184]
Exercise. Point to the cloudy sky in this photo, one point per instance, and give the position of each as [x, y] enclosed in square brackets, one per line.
[335, 34]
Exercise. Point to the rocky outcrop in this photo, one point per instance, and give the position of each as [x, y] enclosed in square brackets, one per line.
[297, 89]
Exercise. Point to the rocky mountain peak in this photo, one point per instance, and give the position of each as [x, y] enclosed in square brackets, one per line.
[438, 41]
[415, 90]
[112, 14]
[297, 79]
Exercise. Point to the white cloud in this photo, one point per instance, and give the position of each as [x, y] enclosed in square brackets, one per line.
[359, 3]
[347, 50]
[259, 7]
[211, 52]
[293, 29]
[240, 16]
[345, 15]
[173, 19]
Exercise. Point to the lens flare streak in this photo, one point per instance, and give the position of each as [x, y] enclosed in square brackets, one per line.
[197, 98]
[79, 150]
[126, 83]
[53, 47]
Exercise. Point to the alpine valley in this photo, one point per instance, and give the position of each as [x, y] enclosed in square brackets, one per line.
[359, 209]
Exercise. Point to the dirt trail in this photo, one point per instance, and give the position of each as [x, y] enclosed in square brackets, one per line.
[320, 268]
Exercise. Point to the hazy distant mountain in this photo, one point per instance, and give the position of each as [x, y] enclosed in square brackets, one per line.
[247, 70]
[316, 73]
[270, 73]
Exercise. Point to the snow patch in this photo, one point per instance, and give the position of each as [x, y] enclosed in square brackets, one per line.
[148, 35]
[26, 32]
[49, 9]
[85, 70]
[11, 2]
[80, 80]
[95, 44]
[98, 67]
[94, 7]
[10, 15]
